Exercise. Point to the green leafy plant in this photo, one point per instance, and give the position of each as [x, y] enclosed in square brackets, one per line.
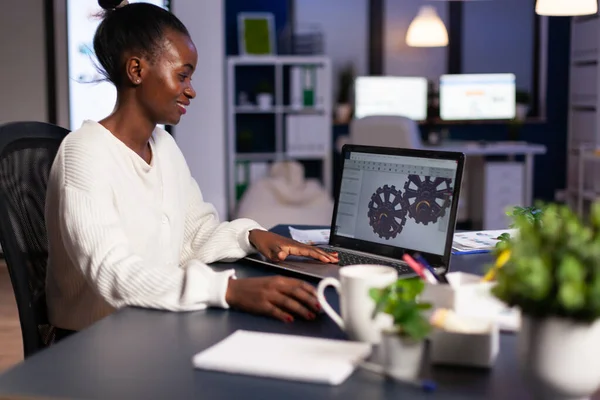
[554, 265]
[264, 87]
[400, 301]
[531, 214]
[345, 81]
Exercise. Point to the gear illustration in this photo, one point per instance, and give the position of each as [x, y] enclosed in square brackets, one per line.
[387, 214]
[429, 199]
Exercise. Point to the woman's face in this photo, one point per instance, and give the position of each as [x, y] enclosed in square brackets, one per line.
[166, 84]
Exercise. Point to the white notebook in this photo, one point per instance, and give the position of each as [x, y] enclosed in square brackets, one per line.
[289, 357]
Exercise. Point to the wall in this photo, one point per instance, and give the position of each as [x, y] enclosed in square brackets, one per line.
[403, 60]
[201, 132]
[23, 68]
[498, 37]
[345, 25]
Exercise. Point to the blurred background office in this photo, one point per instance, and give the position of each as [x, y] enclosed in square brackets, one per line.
[283, 84]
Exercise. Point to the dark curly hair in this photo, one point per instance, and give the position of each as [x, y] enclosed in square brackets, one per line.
[128, 28]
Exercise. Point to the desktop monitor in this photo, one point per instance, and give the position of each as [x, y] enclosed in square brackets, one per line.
[390, 95]
[477, 97]
[90, 96]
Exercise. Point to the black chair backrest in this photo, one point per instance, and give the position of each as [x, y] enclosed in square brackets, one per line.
[27, 151]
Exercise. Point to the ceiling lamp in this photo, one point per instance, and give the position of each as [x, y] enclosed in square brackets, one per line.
[564, 8]
[427, 29]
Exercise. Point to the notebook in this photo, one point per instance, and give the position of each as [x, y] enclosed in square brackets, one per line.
[390, 201]
[296, 358]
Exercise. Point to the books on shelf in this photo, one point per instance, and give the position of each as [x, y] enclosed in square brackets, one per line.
[477, 241]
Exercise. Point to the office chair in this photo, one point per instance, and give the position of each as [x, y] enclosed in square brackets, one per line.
[387, 131]
[27, 151]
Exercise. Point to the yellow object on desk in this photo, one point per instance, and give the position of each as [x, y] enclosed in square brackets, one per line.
[500, 261]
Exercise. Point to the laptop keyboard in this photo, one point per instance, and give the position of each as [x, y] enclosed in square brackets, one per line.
[353, 259]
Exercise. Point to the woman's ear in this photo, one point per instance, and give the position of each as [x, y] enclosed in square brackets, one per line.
[134, 70]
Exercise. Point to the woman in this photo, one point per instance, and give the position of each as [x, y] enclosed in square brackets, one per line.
[127, 225]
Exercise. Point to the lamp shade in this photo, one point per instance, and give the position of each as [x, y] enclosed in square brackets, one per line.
[427, 29]
[566, 7]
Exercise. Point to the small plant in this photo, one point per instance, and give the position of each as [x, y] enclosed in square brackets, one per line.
[400, 301]
[264, 87]
[531, 214]
[554, 265]
[345, 81]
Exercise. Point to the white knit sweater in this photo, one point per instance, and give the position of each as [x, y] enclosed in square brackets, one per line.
[125, 233]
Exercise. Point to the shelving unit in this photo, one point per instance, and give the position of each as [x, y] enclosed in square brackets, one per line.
[583, 168]
[268, 142]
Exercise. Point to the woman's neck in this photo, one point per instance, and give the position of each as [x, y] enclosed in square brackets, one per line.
[129, 125]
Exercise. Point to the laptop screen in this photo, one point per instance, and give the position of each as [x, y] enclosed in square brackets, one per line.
[396, 200]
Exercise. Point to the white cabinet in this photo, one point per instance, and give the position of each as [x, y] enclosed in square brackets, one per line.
[503, 184]
[292, 122]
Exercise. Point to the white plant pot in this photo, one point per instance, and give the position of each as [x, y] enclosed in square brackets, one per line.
[402, 357]
[560, 358]
[521, 111]
[264, 101]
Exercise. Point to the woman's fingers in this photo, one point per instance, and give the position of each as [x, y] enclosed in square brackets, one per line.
[303, 293]
[309, 251]
[279, 314]
[290, 304]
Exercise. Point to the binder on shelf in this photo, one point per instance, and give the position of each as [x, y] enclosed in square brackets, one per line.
[306, 136]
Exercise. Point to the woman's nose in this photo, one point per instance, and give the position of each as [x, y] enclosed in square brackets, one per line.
[190, 92]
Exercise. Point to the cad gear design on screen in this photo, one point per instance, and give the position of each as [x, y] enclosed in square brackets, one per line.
[425, 208]
[387, 216]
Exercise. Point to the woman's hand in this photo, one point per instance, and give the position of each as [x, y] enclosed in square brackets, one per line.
[277, 248]
[274, 296]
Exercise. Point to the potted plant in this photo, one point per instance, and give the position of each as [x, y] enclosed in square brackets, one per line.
[531, 214]
[523, 102]
[264, 95]
[343, 111]
[402, 345]
[552, 274]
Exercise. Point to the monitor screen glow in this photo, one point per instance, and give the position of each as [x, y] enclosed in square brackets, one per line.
[90, 96]
[477, 97]
[391, 95]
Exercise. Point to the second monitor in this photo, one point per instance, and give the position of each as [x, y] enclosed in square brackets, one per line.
[390, 95]
[477, 96]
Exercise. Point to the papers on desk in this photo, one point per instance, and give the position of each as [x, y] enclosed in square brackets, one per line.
[288, 357]
[477, 241]
[310, 236]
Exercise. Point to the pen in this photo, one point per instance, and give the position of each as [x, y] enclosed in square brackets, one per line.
[419, 269]
[500, 261]
[424, 263]
[425, 384]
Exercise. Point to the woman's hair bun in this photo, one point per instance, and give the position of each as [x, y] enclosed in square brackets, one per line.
[109, 4]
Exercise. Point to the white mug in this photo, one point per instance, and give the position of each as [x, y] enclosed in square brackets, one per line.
[356, 304]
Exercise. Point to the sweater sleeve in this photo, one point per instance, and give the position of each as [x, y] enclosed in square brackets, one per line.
[98, 245]
[209, 240]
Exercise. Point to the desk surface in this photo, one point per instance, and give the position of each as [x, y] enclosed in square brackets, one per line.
[145, 354]
[475, 148]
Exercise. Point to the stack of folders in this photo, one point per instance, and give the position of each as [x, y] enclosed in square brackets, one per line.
[289, 357]
[477, 241]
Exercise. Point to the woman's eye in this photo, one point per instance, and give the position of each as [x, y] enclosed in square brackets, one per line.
[182, 77]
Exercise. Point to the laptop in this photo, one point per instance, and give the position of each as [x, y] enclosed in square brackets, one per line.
[389, 201]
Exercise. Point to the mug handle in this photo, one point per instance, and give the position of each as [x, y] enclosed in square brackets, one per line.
[326, 307]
